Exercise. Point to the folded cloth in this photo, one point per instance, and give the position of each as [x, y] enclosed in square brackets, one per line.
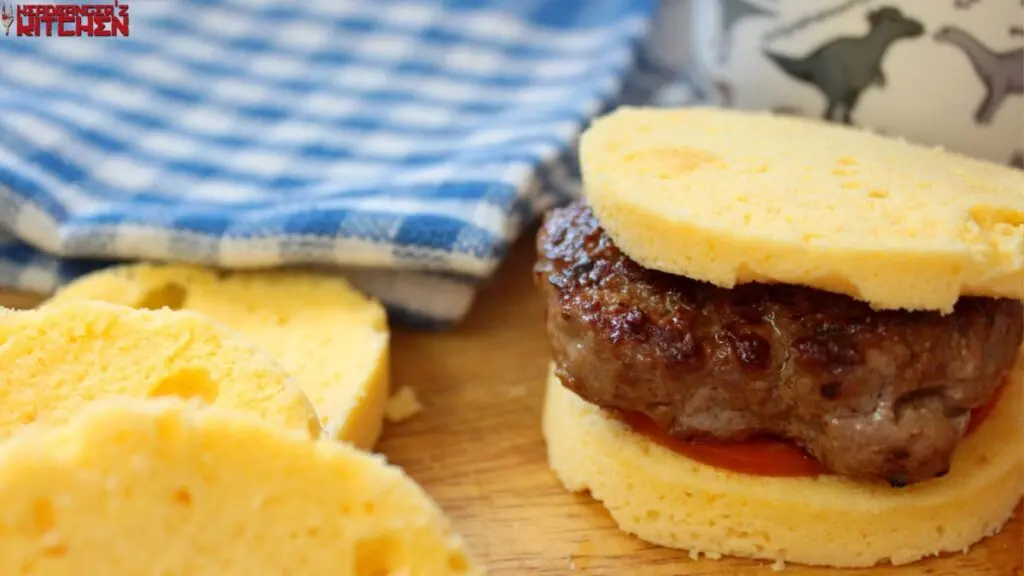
[404, 144]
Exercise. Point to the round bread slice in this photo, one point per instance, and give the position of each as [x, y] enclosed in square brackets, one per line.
[333, 339]
[157, 487]
[729, 196]
[670, 500]
[57, 359]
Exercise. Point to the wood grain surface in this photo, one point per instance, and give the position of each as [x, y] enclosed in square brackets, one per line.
[477, 448]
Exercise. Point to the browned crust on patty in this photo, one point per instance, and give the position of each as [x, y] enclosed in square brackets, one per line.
[871, 394]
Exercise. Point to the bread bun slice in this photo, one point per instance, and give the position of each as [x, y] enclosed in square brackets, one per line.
[161, 486]
[59, 358]
[333, 339]
[728, 197]
[673, 501]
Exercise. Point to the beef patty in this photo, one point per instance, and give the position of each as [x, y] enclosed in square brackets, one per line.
[871, 394]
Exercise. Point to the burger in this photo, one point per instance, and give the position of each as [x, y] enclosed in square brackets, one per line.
[784, 339]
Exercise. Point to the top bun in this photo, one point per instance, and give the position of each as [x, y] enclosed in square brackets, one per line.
[729, 197]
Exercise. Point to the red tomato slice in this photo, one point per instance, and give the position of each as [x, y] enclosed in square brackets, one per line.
[763, 456]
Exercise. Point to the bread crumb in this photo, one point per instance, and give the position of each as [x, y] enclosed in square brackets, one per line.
[402, 405]
[779, 565]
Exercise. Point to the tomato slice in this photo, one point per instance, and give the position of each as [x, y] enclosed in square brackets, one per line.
[761, 456]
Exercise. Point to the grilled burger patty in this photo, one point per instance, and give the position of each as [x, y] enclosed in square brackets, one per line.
[871, 394]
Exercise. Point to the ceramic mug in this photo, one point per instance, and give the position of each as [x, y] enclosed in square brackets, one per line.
[939, 72]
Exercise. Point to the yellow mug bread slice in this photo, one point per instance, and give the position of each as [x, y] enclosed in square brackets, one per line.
[728, 196]
[333, 339]
[668, 499]
[161, 487]
[57, 359]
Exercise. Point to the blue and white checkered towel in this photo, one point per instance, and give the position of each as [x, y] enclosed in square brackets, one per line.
[403, 143]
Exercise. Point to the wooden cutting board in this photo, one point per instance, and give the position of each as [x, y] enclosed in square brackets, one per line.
[477, 448]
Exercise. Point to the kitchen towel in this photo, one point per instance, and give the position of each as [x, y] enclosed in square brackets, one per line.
[403, 144]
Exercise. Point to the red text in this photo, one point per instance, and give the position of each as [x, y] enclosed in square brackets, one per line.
[72, 19]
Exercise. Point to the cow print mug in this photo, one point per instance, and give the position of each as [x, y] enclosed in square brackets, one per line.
[939, 72]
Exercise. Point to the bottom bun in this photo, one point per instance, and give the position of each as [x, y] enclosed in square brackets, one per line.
[670, 500]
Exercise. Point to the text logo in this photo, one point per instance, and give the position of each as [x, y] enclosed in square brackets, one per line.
[65, 19]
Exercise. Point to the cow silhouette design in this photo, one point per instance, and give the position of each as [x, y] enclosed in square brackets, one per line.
[844, 67]
[1002, 73]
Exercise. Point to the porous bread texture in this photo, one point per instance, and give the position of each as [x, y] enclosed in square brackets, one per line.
[157, 487]
[333, 339]
[59, 358]
[729, 196]
[667, 499]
